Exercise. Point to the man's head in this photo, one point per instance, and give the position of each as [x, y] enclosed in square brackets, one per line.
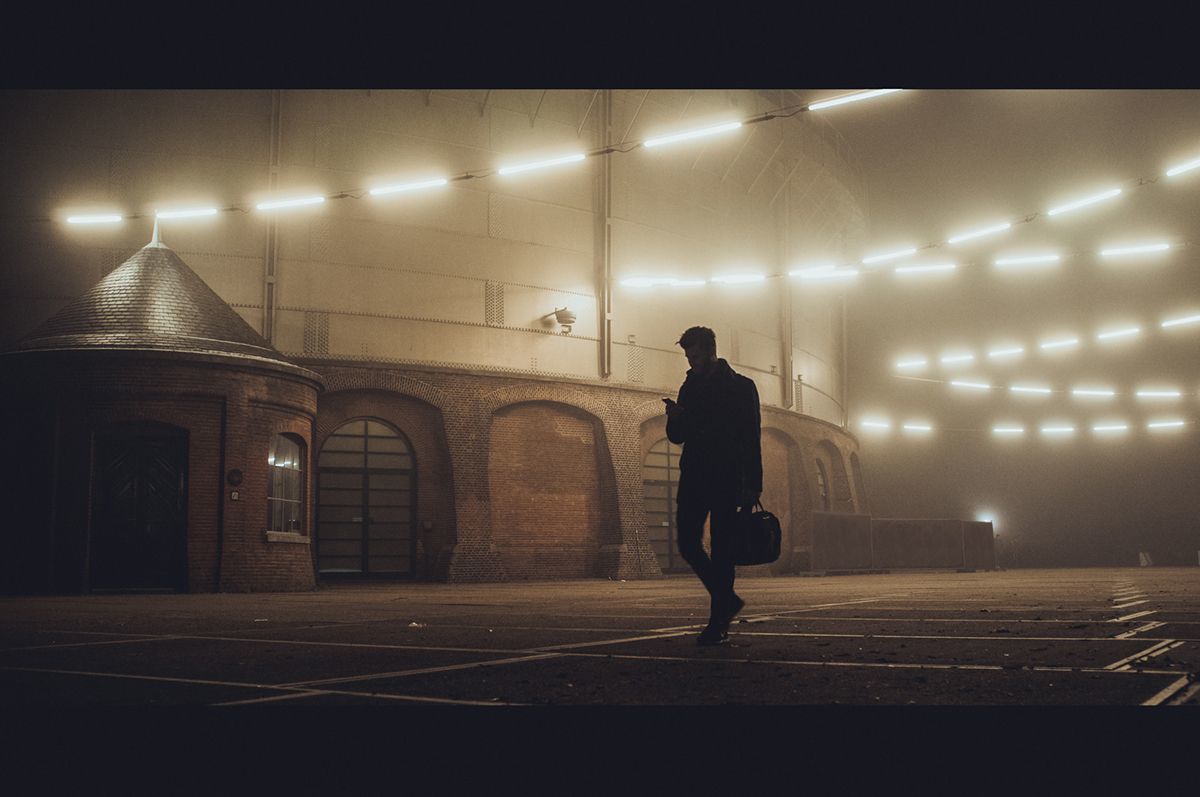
[699, 344]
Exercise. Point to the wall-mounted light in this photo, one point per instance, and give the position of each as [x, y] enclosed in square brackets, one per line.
[566, 319]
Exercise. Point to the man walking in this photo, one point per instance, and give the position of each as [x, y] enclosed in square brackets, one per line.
[717, 421]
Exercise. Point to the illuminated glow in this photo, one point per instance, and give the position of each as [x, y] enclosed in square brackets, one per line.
[916, 269]
[647, 282]
[875, 424]
[958, 358]
[1028, 389]
[395, 189]
[736, 279]
[1183, 167]
[1194, 319]
[103, 218]
[912, 363]
[1133, 250]
[1111, 427]
[687, 283]
[979, 233]
[1167, 394]
[826, 274]
[1058, 344]
[1058, 429]
[917, 427]
[184, 214]
[986, 517]
[1165, 424]
[1006, 352]
[1112, 192]
[862, 95]
[1119, 333]
[811, 270]
[1008, 430]
[973, 385]
[1095, 393]
[1022, 261]
[290, 203]
[889, 256]
[524, 167]
[707, 131]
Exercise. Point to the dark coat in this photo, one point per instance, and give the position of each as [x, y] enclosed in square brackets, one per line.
[720, 430]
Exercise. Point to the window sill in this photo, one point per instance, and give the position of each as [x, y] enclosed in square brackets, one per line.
[287, 536]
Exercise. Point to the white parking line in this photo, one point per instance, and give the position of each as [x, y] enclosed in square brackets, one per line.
[1116, 665]
[422, 671]
[1127, 605]
[1140, 630]
[1167, 693]
[1133, 616]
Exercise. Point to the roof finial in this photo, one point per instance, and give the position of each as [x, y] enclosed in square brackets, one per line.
[155, 241]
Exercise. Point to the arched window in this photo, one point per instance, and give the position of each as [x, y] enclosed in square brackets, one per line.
[660, 478]
[285, 481]
[822, 486]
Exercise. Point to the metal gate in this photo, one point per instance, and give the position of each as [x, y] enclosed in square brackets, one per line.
[660, 478]
[366, 501]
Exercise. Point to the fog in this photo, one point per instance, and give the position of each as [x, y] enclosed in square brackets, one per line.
[940, 163]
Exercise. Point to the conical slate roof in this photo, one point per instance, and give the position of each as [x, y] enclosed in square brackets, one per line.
[151, 301]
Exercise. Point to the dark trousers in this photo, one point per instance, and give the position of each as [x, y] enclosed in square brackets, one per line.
[716, 573]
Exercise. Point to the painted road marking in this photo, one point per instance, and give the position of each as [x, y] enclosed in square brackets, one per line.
[1167, 693]
[1127, 605]
[1129, 597]
[1141, 654]
[423, 670]
[1139, 630]
[1133, 616]
[90, 644]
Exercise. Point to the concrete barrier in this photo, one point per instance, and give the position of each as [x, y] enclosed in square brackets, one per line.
[841, 541]
[861, 542]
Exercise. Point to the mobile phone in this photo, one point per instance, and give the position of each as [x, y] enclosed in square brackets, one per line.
[668, 401]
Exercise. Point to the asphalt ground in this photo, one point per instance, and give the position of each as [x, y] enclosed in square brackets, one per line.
[1086, 637]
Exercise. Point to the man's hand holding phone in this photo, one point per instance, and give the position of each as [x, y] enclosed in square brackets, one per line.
[672, 409]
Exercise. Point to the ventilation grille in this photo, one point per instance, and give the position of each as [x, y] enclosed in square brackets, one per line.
[636, 364]
[798, 396]
[316, 333]
[493, 304]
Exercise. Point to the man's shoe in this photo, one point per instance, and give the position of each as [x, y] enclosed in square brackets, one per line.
[712, 635]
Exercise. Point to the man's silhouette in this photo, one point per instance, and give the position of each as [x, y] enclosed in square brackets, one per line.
[717, 421]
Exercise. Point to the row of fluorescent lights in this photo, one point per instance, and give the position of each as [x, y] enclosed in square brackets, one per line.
[829, 273]
[1078, 392]
[515, 168]
[1059, 429]
[915, 364]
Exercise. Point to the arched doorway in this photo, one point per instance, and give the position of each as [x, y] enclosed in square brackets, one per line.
[660, 479]
[366, 501]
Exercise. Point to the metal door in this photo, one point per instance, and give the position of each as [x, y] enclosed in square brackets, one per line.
[660, 478]
[366, 501]
[138, 530]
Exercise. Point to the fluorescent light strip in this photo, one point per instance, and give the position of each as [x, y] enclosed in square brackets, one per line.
[524, 167]
[290, 203]
[811, 270]
[877, 424]
[1008, 430]
[1119, 333]
[1183, 167]
[687, 283]
[1180, 321]
[915, 269]
[976, 385]
[1165, 424]
[184, 214]
[1173, 394]
[1006, 352]
[1084, 392]
[1084, 202]
[1133, 250]
[914, 427]
[978, 233]
[957, 358]
[862, 95]
[1023, 389]
[1058, 344]
[395, 189]
[889, 256]
[1020, 261]
[1115, 427]
[1057, 429]
[736, 279]
[106, 218]
[912, 364]
[707, 131]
